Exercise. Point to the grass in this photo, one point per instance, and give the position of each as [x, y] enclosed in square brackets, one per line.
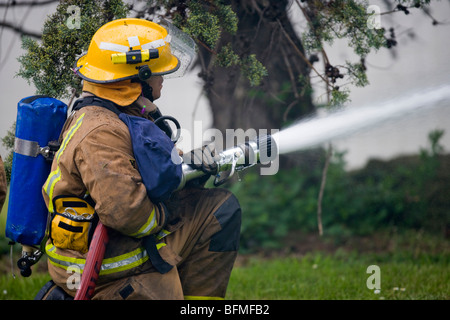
[314, 276]
[412, 266]
[20, 288]
[319, 276]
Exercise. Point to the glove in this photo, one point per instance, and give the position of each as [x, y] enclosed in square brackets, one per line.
[203, 158]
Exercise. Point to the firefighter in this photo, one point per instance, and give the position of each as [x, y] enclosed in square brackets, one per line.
[194, 233]
[3, 184]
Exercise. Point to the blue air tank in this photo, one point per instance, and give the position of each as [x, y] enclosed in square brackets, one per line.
[39, 120]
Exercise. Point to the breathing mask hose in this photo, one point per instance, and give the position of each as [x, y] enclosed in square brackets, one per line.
[262, 150]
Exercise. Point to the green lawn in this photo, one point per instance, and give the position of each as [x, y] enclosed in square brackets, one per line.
[20, 288]
[315, 276]
[419, 270]
[340, 276]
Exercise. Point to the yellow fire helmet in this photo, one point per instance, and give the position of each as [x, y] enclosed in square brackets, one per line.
[135, 48]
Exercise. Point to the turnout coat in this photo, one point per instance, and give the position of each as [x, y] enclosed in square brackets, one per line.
[196, 231]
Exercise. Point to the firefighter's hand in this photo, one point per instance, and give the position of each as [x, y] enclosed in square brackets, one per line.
[203, 158]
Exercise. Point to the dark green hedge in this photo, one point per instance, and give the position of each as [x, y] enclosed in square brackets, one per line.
[406, 193]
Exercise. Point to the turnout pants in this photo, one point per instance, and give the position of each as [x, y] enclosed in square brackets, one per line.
[203, 240]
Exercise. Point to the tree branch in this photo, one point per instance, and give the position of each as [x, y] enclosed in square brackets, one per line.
[299, 52]
[20, 30]
[27, 3]
[322, 189]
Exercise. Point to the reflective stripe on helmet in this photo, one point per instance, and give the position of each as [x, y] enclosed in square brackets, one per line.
[113, 47]
[123, 36]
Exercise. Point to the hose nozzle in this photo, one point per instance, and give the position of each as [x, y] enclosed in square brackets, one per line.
[261, 150]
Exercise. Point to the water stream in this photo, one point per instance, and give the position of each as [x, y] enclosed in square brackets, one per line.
[319, 130]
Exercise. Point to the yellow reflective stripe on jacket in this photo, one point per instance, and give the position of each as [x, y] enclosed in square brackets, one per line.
[55, 175]
[163, 233]
[147, 228]
[63, 261]
[110, 265]
[123, 262]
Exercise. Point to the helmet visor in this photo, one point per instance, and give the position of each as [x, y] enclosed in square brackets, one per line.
[182, 46]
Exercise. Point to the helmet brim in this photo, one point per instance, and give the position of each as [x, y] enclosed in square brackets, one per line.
[78, 68]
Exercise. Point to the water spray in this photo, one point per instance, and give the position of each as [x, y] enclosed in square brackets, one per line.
[344, 122]
[316, 131]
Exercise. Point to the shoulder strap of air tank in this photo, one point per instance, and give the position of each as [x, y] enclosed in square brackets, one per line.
[149, 242]
[96, 101]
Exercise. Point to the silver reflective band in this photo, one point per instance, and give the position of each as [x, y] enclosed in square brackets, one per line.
[26, 147]
[134, 41]
[156, 43]
[123, 262]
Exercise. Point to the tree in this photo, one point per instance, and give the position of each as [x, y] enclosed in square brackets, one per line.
[256, 68]
[8, 143]
[268, 84]
[49, 62]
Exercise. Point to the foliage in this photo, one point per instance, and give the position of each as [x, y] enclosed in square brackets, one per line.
[253, 69]
[8, 143]
[348, 20]
[204, 20]
[341, 19]
[406, 193]
[49, 64]
[207, 22]
[226, 57]
[203, 25]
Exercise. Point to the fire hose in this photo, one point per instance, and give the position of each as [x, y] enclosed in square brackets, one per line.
[230, 161]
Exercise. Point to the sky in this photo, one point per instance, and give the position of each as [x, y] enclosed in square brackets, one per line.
[419, 63]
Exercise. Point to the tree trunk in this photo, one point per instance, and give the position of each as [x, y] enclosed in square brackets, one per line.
[265, 30]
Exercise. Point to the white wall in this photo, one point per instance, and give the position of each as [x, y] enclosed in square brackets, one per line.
[420, 62]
